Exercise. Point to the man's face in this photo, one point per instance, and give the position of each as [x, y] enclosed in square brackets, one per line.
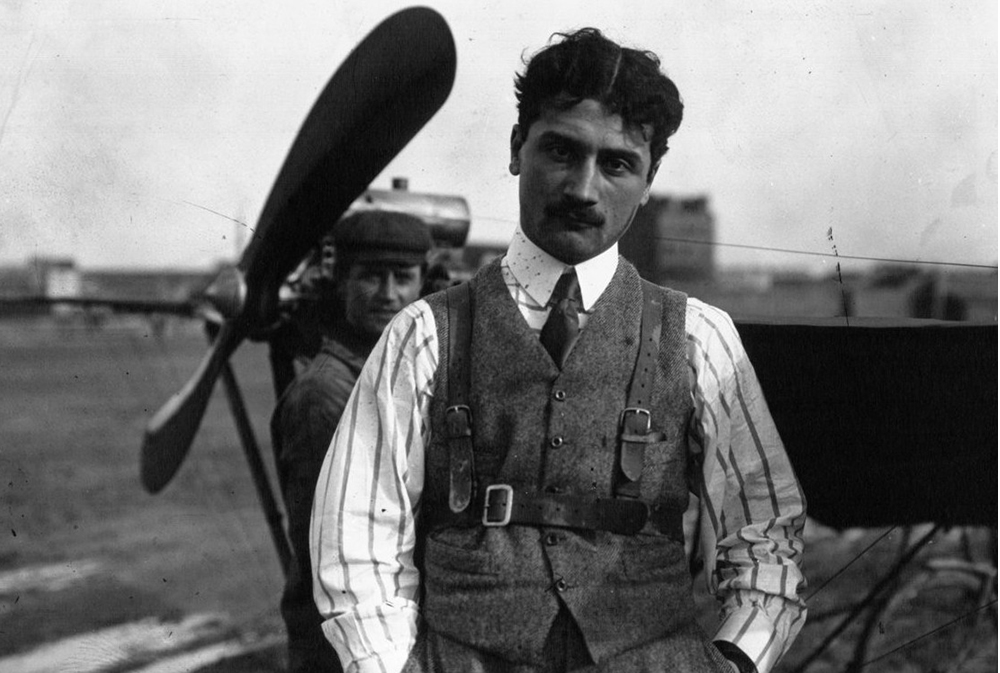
[373, 293]
[582, 176]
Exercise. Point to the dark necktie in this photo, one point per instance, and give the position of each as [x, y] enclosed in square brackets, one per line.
[562, 328]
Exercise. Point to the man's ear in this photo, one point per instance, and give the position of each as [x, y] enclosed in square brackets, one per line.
[649, 183]
[516, 142]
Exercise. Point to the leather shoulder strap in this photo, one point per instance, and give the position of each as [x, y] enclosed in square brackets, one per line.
[458, 416]
[636, 420]
[459, 302]
[641, 388]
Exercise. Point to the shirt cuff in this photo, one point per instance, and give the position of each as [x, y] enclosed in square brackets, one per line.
[375, 640]
[751, 631]
[387, 662]
[735, 655]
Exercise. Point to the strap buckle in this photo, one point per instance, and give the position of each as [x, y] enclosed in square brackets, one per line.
[636, 414]
[497, 505]
[458, 420]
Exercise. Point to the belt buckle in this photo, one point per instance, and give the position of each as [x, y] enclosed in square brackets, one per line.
[489, 505]
[633, 412]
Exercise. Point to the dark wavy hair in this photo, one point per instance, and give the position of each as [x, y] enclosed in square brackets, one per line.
[585, 64]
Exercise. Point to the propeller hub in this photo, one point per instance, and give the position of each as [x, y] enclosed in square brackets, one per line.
[228, 293]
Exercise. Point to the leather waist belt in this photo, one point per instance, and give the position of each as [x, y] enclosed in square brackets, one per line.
[502, 505]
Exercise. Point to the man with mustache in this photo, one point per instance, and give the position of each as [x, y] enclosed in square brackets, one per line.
[373, 263]
[532, 461]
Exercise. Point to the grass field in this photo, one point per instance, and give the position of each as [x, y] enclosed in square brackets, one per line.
[73, 405]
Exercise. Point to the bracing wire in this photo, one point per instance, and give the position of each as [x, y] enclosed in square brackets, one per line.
[850, 563]
[947, 625]
[790, 251]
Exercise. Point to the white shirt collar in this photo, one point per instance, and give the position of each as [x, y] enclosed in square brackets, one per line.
[537, 271]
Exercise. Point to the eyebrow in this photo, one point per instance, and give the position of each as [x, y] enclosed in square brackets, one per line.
[632, 156]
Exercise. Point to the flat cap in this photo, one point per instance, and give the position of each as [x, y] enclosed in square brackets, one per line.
[382, 236]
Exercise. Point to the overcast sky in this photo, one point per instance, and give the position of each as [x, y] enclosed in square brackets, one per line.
[133, 133]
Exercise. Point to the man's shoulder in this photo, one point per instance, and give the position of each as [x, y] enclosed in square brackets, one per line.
[323, 387]
[627, 274]
[665, 292]
[436, 304]
[326, 377]
[415, 314]
[713, 329]
[707, 311]
[703, 311]
[412, 330]
[436, 300]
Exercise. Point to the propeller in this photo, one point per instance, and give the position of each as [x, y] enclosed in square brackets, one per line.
[380, 97]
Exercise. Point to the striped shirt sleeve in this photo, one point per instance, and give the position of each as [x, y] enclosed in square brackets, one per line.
[751, 511]
[362, 534]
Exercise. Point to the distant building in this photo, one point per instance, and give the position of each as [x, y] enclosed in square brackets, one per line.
[43, 278]
[758, 295]
[914, 292]
[672, 239]
[18, 281]
[56, 285]
[977, 290]
[146, 284]
[60, 277]
[49, 277]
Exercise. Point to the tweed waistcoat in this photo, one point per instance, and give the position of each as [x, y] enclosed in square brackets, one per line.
[538, 428]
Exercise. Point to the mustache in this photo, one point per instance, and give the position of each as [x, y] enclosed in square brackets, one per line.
[575, 211]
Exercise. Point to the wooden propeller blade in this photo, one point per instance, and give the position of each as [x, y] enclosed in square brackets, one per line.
[380, 97]
[171, 431]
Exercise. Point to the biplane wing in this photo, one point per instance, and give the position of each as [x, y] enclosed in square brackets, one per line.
[886, 421]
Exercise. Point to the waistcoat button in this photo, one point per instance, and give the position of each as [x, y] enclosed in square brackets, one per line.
[561, 585]
[559, 395]
[557, 441]
[551, 539]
